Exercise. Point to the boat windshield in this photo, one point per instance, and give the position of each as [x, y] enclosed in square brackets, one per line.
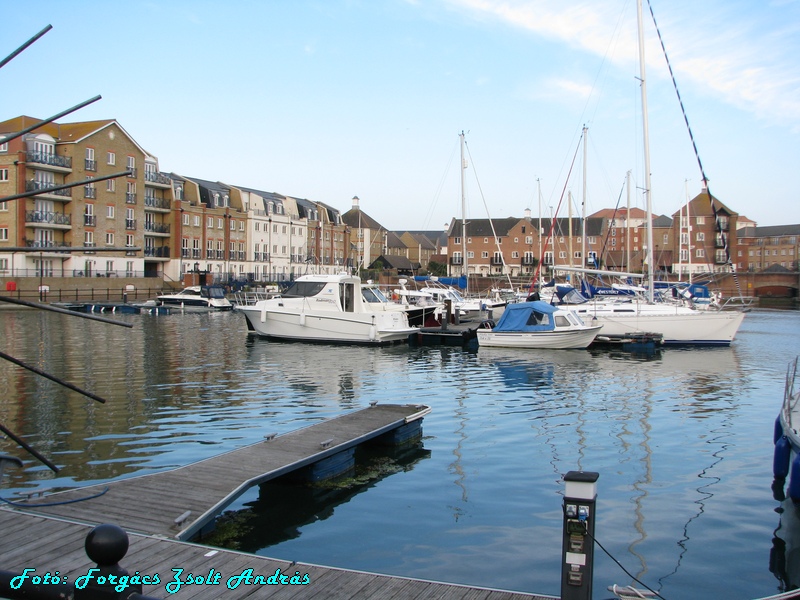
[216, 292]
[304, 289]
[373, 295]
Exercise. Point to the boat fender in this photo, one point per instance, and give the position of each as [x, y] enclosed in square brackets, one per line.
[778, 434]
[373, 332]
[302, 319]
[794, 480]
[780, 462]
[264, 313]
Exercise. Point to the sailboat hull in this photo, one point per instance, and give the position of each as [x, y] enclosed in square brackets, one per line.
[677, 325]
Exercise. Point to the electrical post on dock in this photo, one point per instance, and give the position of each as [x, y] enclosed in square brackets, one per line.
[577, 566]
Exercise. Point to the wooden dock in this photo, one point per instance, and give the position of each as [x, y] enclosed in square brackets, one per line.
[180, 502]
[48, 544]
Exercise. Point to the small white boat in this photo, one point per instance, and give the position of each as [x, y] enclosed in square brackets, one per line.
[537, 325]
[328, 309]
[418, 312]
[203, 297]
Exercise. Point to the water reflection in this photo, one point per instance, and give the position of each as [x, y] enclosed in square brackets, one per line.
[682, 440]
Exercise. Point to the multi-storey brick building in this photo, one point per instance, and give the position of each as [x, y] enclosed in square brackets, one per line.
[132, 211]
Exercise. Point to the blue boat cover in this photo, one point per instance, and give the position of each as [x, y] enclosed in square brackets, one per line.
[527, 316]
[459, 282]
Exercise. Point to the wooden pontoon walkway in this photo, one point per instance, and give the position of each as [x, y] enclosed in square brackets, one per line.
[48, 544]
[151, 504]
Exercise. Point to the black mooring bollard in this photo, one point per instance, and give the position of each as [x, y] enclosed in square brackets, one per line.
[106, 545]
[577, 566]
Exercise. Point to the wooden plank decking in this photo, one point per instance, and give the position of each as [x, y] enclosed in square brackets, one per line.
[49, 544]
[150, 504]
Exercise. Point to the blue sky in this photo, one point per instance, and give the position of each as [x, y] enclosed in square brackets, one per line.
[327, 99]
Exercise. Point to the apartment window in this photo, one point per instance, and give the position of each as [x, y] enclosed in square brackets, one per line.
[111, 158]
[109, 239]
[4, 234]
[132, 164]
[129, 241]
[185, 219]
[700, 253]
[701, 236]
[701, 220]
[3, 265]
[111, 185]
[110, 211]
[210, 223]
[128, 268]
[256, 226]
[88, 238]
[233, 225]
[4, 147]
[3, 174]
[209, 249]
[515, 255]
[90, 163]
[470, 254]
[455, 241]
[219, 223]
[484, 254]
[241, 225]
[528, 240]
[196, 222]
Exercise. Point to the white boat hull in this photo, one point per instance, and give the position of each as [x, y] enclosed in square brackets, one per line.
[677, 325]
[558, 340]
[328, 327]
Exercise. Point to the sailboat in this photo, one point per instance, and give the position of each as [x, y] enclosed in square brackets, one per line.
[677, 324]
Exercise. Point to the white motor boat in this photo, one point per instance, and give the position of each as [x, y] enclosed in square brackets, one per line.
[326, 308]
[537, 325]
[203, 297]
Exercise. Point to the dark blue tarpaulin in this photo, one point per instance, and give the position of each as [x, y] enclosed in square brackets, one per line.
[459, 282]
[527, 316]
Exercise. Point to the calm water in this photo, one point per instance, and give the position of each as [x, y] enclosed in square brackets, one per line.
[682, 442]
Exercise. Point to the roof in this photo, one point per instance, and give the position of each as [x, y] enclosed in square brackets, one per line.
[400, 263]
[355, 217]
[769, 231]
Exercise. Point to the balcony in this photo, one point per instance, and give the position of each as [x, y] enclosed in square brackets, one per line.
[719, 242]
[724, 223]
[196, 253]
[41, 218]
[154, 178]
[88, 246]
[497, 261]
[157, 228]
[130, 224]
[456, 260]
[45, 246]
[49, 161]
[220, 254]
[43, 187]
[90, 165]
[130, 198]
[161, 252]
[157, 203]
[528, 260]
[89, 192]
[133, 172]
[89, 220]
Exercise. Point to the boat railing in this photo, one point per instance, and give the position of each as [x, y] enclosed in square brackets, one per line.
[250, 298]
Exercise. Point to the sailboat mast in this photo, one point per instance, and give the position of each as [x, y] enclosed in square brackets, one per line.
[539, 190]
[464, 216]
[583, 209]
[628, 223]
[646, 141]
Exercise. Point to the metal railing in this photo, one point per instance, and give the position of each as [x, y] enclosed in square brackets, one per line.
[42, 216]
[49, 158]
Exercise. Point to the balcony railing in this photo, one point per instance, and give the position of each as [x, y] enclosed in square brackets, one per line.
[161, 252]
[130, 198]
[90, 165]
[528, 260]
[719, 242]
[133, 171]
[89, 192]
[43, 187]
[153, 202]
[49, 158]
[156, 227]
[497, 261]
[196, 253]
[456, 260]
[46, 245]
[130, 223]
[41, 216]
[89, 220]
[186, 253]
[155, 177]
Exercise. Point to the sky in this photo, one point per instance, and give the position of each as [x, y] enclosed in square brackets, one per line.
[331, 99]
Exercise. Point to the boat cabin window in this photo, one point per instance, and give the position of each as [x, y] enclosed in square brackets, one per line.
[562, 321]
[373, 295]
[304, 289]
[216, 292]
[346, 295]
[537, 318]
